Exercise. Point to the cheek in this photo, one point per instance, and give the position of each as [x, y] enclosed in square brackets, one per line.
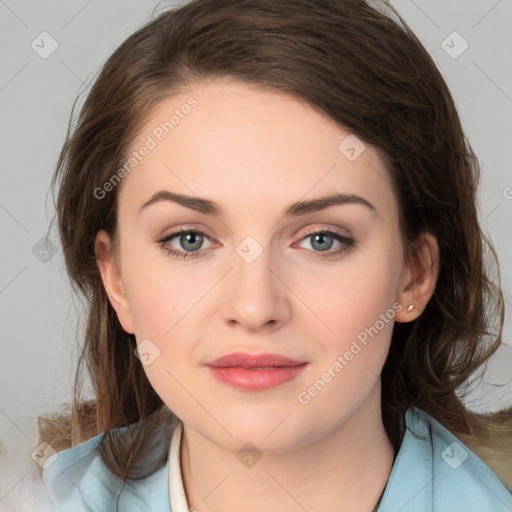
[160, 292]
[162, 302]
[355, 294]
[357, 308]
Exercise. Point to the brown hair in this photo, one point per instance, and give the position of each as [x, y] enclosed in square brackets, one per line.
[366, 72]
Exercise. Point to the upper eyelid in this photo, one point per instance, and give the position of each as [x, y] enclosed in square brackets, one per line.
[182, 231]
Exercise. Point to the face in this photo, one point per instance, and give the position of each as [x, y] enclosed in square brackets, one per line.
[262, 274]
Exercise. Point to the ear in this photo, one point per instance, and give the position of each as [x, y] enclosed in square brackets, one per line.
[112, 280]
[419, 277]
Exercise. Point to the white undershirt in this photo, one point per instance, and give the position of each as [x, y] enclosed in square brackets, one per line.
[177, 498]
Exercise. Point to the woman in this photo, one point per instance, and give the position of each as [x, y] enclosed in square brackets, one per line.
[306, 352]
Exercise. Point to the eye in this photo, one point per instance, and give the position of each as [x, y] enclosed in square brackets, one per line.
[189, 239]
[323, 241]
[190, 242]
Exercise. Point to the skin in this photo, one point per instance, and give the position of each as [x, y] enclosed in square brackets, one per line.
[255, 152]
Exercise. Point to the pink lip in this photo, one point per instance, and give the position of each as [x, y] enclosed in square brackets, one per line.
[255, 372]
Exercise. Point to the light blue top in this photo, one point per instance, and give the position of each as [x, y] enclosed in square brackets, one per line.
[433, 471]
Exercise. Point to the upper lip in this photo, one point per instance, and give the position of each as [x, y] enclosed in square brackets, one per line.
[245, 360]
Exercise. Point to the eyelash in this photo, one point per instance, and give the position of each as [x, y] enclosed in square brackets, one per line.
[347, 242]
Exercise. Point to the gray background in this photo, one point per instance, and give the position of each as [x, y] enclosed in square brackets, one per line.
[39, 345]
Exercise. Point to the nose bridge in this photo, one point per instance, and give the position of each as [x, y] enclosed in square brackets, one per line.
[256, 296]
[252, 275]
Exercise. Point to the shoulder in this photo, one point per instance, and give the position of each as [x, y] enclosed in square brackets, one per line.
[77, 479]
[435, 471]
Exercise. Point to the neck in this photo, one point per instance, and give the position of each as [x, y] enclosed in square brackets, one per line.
[345, 470]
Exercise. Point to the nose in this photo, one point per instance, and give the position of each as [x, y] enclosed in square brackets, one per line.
[256, 297]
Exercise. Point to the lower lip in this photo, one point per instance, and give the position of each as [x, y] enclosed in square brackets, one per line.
[256, 380]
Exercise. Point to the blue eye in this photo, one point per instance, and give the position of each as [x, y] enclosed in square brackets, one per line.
[191, 240]
[322, 242]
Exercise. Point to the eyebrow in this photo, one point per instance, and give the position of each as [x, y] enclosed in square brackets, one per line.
[209, 207]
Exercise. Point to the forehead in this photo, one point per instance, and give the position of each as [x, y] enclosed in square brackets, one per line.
[212, 139]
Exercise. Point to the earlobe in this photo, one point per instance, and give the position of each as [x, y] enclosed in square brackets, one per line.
[419, 278]
[112, 280]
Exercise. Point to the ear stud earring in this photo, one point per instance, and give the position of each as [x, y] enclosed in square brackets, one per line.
[410, 308]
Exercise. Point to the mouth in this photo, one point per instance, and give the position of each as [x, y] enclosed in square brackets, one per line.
[255, 372]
